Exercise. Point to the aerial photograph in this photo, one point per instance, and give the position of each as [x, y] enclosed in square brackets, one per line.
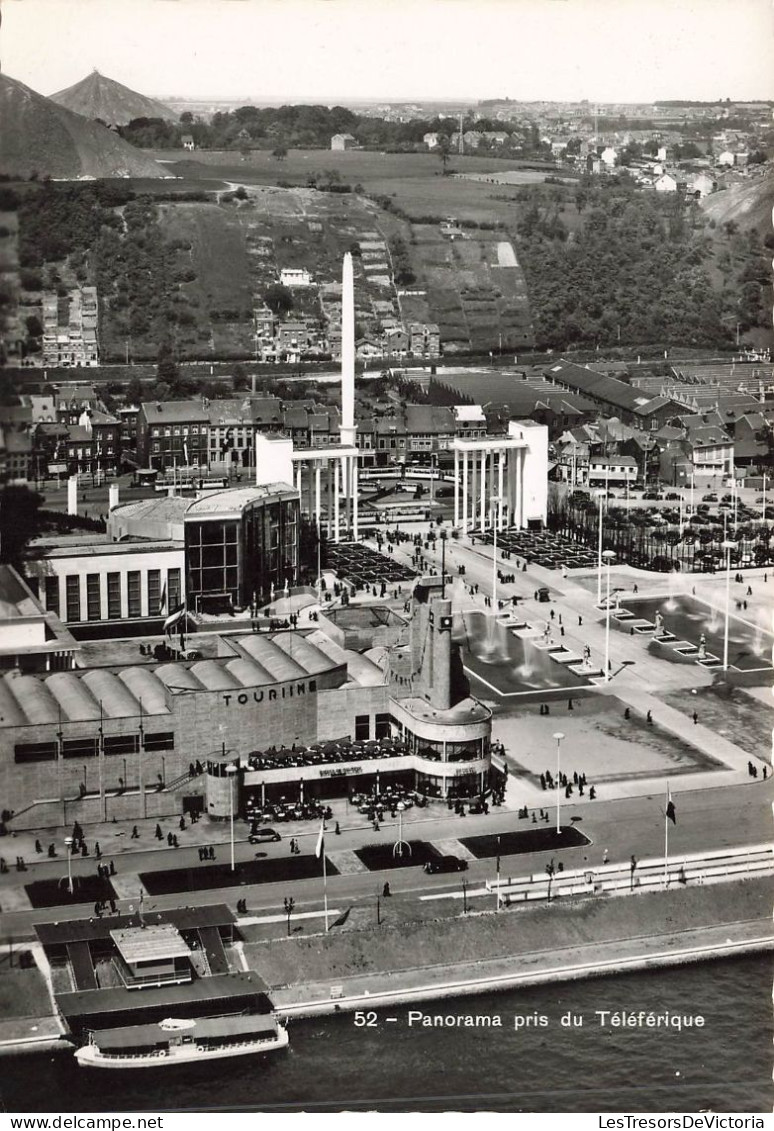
[386, 441]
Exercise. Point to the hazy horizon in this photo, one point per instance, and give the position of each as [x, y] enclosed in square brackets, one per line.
[280, 51]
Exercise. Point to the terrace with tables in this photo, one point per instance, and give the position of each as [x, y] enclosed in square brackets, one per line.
[547, 548]
[361, 566]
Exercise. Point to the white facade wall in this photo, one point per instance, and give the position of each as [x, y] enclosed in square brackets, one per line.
[535, 469]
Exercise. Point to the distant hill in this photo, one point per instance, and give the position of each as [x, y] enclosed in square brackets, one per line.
[748, 205]
[114, 104]
[38, 136]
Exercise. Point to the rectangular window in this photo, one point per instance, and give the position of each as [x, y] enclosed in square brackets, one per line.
[160, 740]
[382, 726]
[73, 594]
[79, 747]
[121, 743]
[114, 596]
[34, 752]
[154, 592]
[93, 602]
[52, 594]
[173, 589]
[133, 593]
[362, 728]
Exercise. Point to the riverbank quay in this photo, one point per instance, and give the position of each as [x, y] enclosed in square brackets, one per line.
[523, 945]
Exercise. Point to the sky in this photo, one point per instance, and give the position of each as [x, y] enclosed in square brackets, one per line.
[349, 50]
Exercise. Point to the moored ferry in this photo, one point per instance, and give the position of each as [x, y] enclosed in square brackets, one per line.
[176, 1041]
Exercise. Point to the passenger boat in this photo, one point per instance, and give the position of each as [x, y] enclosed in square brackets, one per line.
[180, 1041]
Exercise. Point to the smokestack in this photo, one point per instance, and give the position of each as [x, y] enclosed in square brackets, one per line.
[347, 352]
[112, 496]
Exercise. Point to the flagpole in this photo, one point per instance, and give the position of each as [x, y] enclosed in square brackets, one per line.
[498, 873]
[666, 840]
[325, 889]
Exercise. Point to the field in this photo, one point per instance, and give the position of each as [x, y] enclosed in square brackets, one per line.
[238, 247]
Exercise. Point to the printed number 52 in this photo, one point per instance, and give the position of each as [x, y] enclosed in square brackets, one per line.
[365, 1020]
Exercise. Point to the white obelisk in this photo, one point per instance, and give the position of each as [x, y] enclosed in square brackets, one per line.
[347, 353]
[349, 464]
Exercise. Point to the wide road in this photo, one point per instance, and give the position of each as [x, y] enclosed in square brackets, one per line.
[717, 818]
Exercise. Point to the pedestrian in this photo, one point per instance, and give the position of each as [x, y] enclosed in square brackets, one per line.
[182, 823]
[337, 830]
[169, 839]
[592, 793]
[112, 868]
[580, 622]
[38, 846]
[201, 851]
[174, 841]
[386, 891]
[765, 773]
[569, 705]
[749, 592]
[649, 718]
[553, 614]
[605, 856]
[695, 717]
[561, 630]
[159, 833]
[211, 855]
[542, 781]
[97, 849]
[135, 833]
[627, 713]
[635, 589]
[113, 907]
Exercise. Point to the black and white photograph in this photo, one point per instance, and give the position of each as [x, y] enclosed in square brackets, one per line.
[386, 560]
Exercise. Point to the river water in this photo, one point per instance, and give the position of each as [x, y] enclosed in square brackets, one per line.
[333, 1065]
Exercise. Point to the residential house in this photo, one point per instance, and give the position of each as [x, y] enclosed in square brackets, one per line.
[702, 184]
[343, 141]
[295, 277]
[665, 183]
[187, 141]
[18, 457]
[431, 140]
[614, 471]
[173, 434]
[424, 339]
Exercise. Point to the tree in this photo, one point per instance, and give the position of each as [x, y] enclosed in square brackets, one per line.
[166, 364]
[19, 522]
[444, 151]
[279, 152]
[278, 299]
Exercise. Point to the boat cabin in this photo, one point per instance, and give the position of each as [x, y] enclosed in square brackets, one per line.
[152, 956]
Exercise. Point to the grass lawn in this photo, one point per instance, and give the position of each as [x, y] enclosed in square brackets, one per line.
[54, 893]
[264, 871]
[741, 719]
[23, 993]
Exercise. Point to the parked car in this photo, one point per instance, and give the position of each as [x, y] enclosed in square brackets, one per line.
[672, 496]
[709, 498]
[262, 836]
[446, 864]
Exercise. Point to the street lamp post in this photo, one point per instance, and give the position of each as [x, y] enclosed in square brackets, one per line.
[400, 847]
[231, 771]
[558, 736]
[69, 846]
[443, 562]
[728, 547]
[608, 555]
[494, 504]
[599, 555]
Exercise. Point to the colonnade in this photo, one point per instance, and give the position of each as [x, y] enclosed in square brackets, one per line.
[340, 469]
[488, 484]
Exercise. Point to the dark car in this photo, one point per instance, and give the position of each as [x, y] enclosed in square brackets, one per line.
[260, 836]
[446, 864]
[709, 498]
[672, 495]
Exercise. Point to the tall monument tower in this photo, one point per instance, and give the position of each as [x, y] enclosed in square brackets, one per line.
[347, 352]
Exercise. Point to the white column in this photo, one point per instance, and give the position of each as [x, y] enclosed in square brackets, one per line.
[482, 507]
[330, 498]
[473, 487]
[318, 492]
[519, 487]
[354, 497]
[464, 491]
[456, 488]
[500, 471]
[336, 496]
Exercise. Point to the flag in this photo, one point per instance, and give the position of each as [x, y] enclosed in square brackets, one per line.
[175, 618]
[320, 841]
[498, 854]
[163, 598]
[670, 809]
